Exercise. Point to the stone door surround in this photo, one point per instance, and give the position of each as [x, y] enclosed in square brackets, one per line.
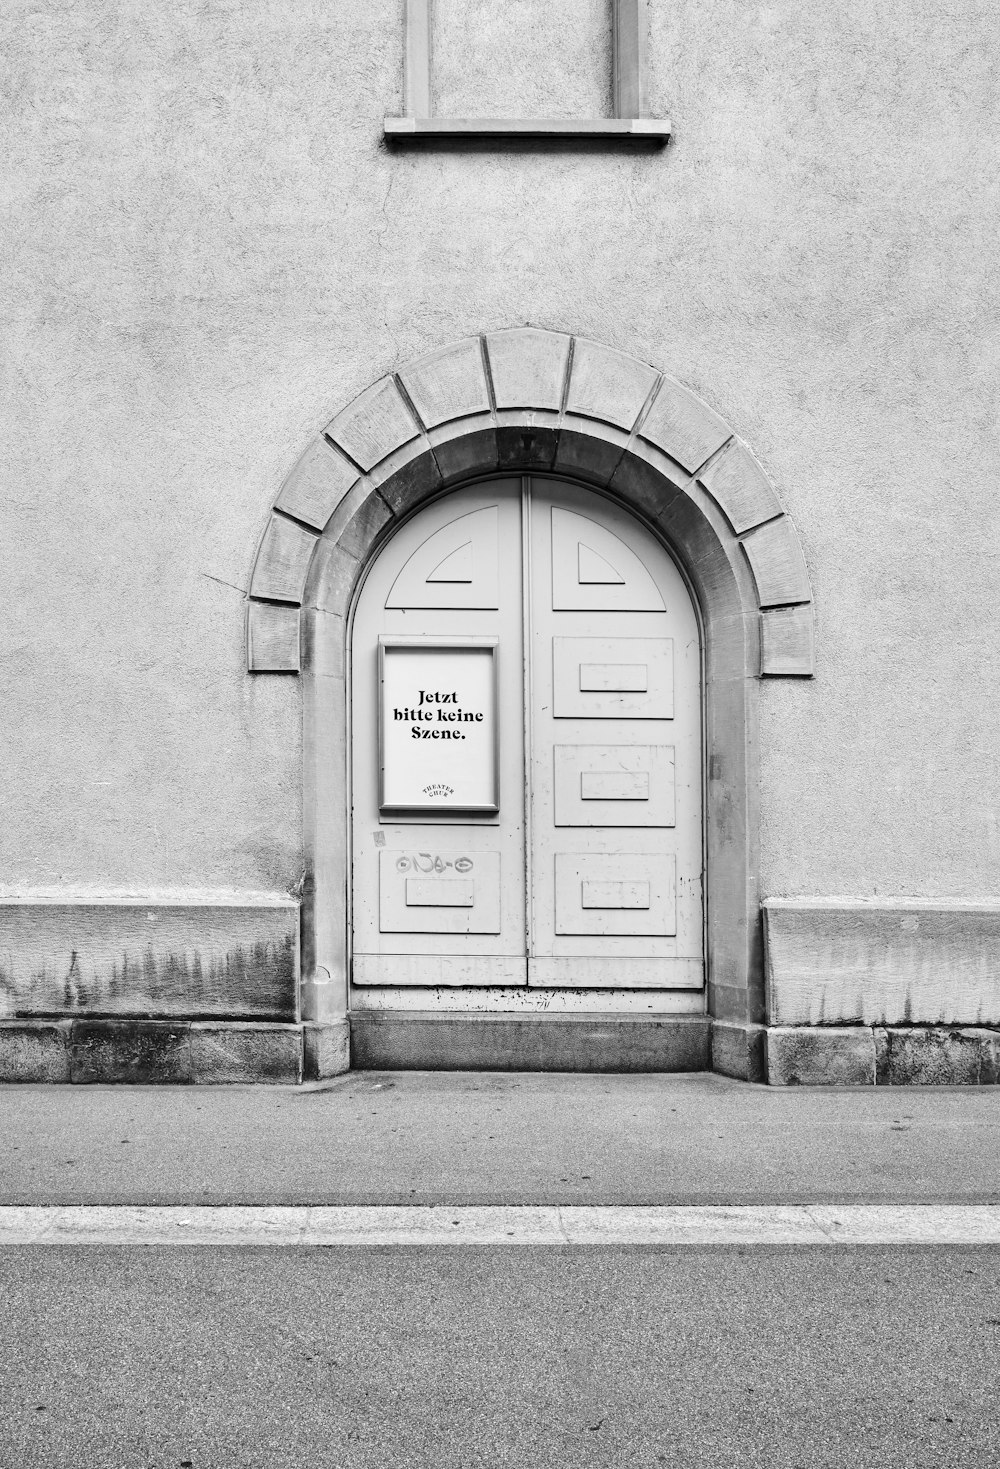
[535, 402]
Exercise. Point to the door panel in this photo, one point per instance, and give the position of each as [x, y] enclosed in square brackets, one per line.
[419, 973]
[414, 898]
[615, 744]
[586, 972]
[620, 893]
[614, 785]
[593, 570]
[438, 896]
[456, 566]
[613, 678]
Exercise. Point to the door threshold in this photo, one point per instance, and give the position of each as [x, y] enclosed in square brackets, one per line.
[394, 1040]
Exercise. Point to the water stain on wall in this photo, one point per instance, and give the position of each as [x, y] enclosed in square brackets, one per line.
[240, 962]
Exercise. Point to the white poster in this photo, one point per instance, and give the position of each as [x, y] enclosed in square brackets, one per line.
[438, 725]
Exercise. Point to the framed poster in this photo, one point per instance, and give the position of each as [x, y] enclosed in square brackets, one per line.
[438, 724]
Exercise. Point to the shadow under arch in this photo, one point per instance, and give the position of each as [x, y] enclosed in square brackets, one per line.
[529, 401]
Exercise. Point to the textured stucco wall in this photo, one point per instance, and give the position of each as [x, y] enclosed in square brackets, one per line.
[530, 58]
[209, 250]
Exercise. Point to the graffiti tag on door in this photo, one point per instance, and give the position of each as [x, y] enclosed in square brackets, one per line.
[432, 862]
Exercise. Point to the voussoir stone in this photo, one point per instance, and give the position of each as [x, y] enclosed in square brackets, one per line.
[740, 488]
[334, 577]
[317, 484]
[528, 367]
[272, 638]
[376, 423]
[450, 383]
[787, 641]
[683, 426]
[607, 384]
[365, 526]
[282, 561]
[778, 565]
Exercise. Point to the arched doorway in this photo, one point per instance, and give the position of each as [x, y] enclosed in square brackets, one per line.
[526, 767]
[532, 402]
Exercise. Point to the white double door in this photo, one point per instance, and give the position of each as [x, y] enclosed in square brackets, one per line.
[581, 865]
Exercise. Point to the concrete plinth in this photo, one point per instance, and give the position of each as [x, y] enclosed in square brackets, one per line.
[457, 1042]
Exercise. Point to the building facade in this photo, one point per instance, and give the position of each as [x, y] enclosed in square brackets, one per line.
[496, 577]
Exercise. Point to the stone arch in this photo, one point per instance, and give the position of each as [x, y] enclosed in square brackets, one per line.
[533, 401]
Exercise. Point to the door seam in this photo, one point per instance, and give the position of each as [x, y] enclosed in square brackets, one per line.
[527, 643]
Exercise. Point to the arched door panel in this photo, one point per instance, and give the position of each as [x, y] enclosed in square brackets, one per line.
[456, 567]
[614, 760]
[438, 893]
[593, 570]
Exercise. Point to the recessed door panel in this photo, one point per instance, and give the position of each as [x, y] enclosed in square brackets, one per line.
[620, 893]
[450, 893]
[593, 570]
[456, 566]
[614, 785]
[613, 678]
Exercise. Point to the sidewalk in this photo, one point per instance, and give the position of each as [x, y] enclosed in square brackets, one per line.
[493, 1139]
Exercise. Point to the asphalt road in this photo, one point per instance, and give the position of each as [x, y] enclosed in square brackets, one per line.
[359, 1357]
[379, 1358]
[474, 1138]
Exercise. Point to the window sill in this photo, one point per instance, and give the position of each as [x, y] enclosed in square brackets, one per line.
[654, 130]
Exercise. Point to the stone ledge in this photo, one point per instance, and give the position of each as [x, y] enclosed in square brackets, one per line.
[889, 962]
[149, 1052]
[34, 1051]
[245, 1053]
[935, 1056]
[212, 1053]
[130, 1051]
[653, 131]
[815, 1055]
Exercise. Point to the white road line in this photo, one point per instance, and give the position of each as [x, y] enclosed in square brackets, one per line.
[807, 1224]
